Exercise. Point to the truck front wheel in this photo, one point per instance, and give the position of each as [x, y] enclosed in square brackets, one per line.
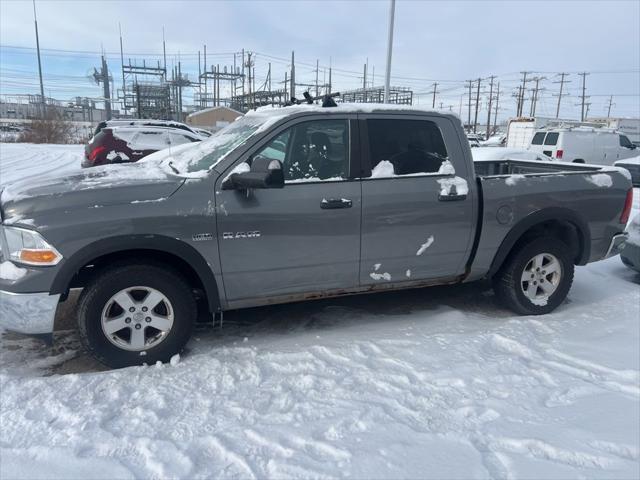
[135, 314]
[536, 277]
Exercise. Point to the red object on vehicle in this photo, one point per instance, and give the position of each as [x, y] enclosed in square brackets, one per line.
[95, 152]
[559, 154]
[624, 216]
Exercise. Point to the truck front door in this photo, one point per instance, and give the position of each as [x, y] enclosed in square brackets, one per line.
[303, 238]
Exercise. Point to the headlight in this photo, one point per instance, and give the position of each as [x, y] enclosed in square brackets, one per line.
[28, 247]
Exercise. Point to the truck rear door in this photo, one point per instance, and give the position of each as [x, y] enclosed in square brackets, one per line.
[418, 211]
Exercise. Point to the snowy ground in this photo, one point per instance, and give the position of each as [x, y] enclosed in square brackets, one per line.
[433, 383]
[19, 160]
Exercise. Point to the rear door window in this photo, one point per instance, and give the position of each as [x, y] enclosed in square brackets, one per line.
[150, 140]
[179, 139]
[552, 138]
[538, 138]
[405, 147]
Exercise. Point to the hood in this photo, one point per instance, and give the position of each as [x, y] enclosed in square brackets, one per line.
[94, 187]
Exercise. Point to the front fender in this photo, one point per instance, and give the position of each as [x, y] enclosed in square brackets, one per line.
[167, 245]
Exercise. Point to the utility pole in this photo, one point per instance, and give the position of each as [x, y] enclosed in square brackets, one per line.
[611, 104]
[491, 78]
[124, 88]
[35, 21]
[317, 69]
[293, 74]
[105, 84]
[217, 85]
[469, 111]
[179, 91]
[534, 98]
[387, 76]
[364, 81]
[523, 89]
[435, 89]
[561, 82]
[495, 115]
[200, 79]
[103, 77]
[205, 78]
[249, 64]
[583, 96]
[475, 121]
[164, 54]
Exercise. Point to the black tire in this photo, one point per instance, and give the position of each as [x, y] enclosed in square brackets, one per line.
[107, 283]
[507, 282]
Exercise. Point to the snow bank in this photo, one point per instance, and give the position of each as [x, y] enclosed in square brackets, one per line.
[21, 160]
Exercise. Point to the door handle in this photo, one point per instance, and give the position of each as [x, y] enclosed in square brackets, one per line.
[334, 203]
[451, 198]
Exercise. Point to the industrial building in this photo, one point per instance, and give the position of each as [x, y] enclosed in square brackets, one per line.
[213, 118]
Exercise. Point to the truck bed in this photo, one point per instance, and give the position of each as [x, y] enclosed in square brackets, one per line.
[516, 191]
[491, 168]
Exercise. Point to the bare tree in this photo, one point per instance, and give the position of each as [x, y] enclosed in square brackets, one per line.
[53, 128]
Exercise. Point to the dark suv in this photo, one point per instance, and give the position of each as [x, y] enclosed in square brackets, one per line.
[121, 144]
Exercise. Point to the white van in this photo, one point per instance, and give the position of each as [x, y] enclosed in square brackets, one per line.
[599, 146]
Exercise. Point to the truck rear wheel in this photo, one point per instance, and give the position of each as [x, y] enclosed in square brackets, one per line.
[536, 277]
[135, 314]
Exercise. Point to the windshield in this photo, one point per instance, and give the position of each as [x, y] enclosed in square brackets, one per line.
[202, 156]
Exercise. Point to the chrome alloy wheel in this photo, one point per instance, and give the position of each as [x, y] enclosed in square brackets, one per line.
[137, 318]
[541, 277]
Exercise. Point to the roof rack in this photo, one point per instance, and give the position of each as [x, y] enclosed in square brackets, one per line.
[327, 100]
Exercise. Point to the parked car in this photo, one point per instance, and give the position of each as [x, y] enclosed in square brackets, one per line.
[630, 251]
[499, 140]
[500, 153]
[130, 144]
[598, 146]
[295, 203]
[143, 122]
[633, 166]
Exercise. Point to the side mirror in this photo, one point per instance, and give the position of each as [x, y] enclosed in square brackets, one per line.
[264, 173]
[633, 146]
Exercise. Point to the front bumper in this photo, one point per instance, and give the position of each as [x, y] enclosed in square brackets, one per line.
[615, 247]
[29, 313]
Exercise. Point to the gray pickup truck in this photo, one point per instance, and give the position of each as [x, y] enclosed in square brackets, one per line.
[295, 203]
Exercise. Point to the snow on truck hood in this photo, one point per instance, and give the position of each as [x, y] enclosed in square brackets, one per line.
[98, 186]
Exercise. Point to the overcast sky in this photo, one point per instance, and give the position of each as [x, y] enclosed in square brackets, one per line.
[443, 41]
